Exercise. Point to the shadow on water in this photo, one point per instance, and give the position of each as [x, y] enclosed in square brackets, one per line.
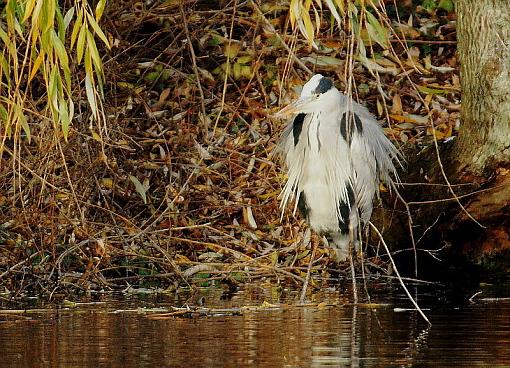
[330, 332]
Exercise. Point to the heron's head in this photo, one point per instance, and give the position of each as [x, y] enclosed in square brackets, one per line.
[318, 95]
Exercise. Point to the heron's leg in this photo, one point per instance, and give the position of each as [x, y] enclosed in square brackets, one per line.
[339, 243]
[352, 247]
[354, 243]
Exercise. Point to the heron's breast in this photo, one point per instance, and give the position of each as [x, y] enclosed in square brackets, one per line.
[321, 205]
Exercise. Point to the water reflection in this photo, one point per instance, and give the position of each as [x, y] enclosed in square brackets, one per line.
[334, 336]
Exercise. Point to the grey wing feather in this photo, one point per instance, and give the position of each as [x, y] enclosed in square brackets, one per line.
[373, 156]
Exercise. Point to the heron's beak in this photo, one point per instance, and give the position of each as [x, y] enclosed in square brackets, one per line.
[293, 108]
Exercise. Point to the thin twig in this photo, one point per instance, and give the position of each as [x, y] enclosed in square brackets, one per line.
[195, 70]
[308, 272]
[457, 196]
[398, 274]
[411, 232]
[19, 264]
[445, 177]
[284, 44]
[227, 72]
[471, 300]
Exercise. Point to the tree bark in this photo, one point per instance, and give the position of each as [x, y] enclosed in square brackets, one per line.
[483, 31]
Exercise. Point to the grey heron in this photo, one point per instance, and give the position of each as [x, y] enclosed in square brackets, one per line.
[336, 155]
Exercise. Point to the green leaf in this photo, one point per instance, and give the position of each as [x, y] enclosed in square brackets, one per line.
[3, 114]
[214, 41]
[429, 4]
[431, 91]
[446, 5]
[60, 24]
[353, 17]
[139, 188]
[48, 14]
[323, 60]
[7, 42]
[246, 71]
[376, 31]
[236, 70]
[17, 27]
[61, 52]
[361, 49]
[6, 70]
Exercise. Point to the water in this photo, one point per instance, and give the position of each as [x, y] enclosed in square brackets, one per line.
[116, 333]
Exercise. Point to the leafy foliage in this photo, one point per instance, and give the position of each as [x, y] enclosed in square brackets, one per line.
[37, 45]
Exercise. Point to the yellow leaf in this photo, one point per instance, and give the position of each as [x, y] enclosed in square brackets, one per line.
[100, 9]
[96, 137]
[308, 26]
[25, 126]
[29, 7]
[246, 71]
[48, 15]
[91, 47]
[293, 12]
[37, 64]
[396, 108]
[340, 4]
[380, 108]
[431, 91]
[4, 114]
[274, 258]
[98, 30]
[80, 45]
[62, 196]
[77, 28]
[231, 50]
[244, 59]
[106, 183]
[236, 70]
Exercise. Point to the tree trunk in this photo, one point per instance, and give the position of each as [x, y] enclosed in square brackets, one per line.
[477, 164]
[482, 150]
[483, 31]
